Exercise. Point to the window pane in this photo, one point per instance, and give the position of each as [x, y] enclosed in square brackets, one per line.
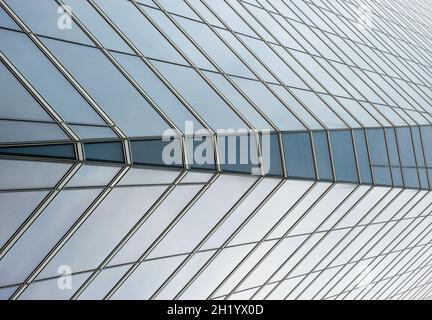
[362, 156]
[392, 146]
[298, 155]
[271, 153]
[377, 147]
[104, 151]
[405, 147]
[61, 151]
[322, 155]
[418, 146]
[343, 156]
[426, 133]
[157, 152]
[238, 153]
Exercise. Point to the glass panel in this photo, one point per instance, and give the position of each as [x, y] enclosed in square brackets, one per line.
[149, 176]
[382, 176]
[238, 153]
[343, 156]
[271, 154]
[6, 21]
[426, 133]
[157, 91]
[103, 230]
[139, 30]
[16, 102]
[200, 96]
[90, 175]
[16, 174]
[109, 88]
[269, 104]
[61, 151]
[43, 234]
[418, 146]
[201, 152]
[392, 146]
[97, 25]
[18, 131]
[56, 90]
[47, 18]
[406, 147]
[397, 176]
[156, 223]
[19, 206]
[90, 132]
[322, 155]
[104, 151]
[424, 184]
[157, 152]
[362, 156]
[377, 147]
[194, 226]
[298, 155]
[410, 177]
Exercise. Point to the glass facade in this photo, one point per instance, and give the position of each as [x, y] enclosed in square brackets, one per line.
[229, 149]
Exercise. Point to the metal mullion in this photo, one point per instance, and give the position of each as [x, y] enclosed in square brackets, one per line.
[385, 224]
[220, 70]
[129, 235]
[53, 59]
[305, 194]
[78, 223]
[123, 71]
[306, 240]
[154, 244]
[294, 71]
[235, 34]
[232, 236]
[207, 237]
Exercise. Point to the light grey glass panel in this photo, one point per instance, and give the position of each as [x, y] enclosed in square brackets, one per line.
[54, 289]
[108, 224]
[149, 176]
[158, 91]
[97, 25]
[195, 225]
[47, 18]
[139, 30]
[17, 102]
[110, 89]
[89, 175]
[6, 21]
[215, 48]
[103, 283]
[6, 293]
[43, 234]
[93, 132]
[17, 206]
[178, 7]
[200, 96]
[20, 131]
[238, 101]
[179, 39]
[16, 174]
[147, 278]
[156, 224]
[55, 89]
[205, 12]
[269, 104]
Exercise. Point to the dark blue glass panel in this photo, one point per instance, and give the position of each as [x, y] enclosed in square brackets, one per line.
[322, 155]
[362, 156]
[392, 147]
[61, 151]
[397, 177]
[343, 156]
[239, 154]
[201, 153]
[377, 147]
[410, 177]
[426, 133]
[382, 176]
[424, 184]
[298, 155]
[406, 149]
[418, 147]
[271, 154]
[104, 151]
[157, 152]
